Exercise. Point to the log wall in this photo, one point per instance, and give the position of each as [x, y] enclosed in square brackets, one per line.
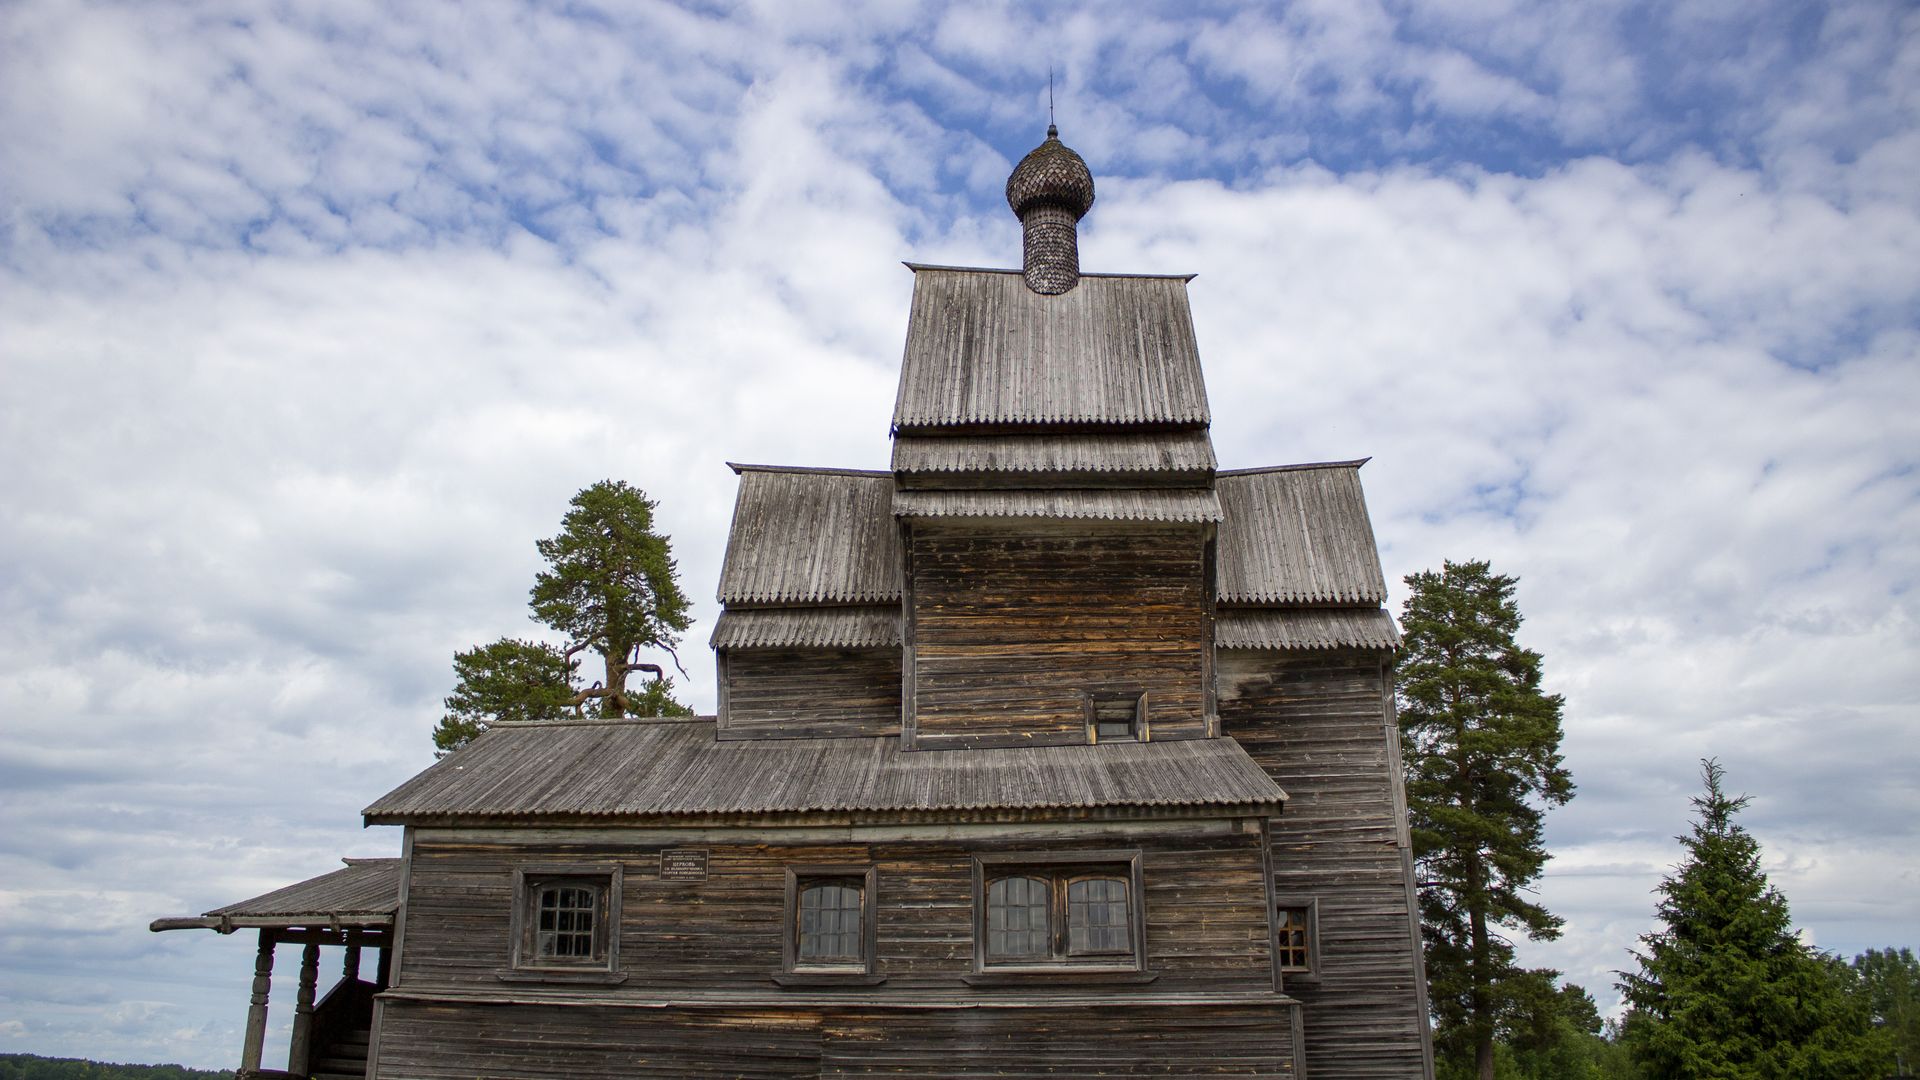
[1013, 624]
[445, 1041]
[1206, 923]
[808, 693]
[1318, 723]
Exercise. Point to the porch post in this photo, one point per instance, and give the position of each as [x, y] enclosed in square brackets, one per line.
[383, 971]
[350, 971]
[302, 1045]
[257, 1005]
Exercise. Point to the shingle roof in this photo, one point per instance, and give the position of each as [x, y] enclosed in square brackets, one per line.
[811, 536]
[1297, 535]
[805, 628]
[984, 349]
[1178, 504]
[1305, 628]
[366, 892]
[654, 770]
[1159, 452]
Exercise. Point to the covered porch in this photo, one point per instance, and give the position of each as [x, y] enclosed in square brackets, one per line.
[351, 909]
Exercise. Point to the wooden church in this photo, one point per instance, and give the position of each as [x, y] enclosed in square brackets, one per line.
[1051, 750]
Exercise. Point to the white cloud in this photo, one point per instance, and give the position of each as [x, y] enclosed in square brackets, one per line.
[311, 319]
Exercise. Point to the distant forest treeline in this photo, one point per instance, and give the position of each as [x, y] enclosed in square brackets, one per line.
[30, 1067]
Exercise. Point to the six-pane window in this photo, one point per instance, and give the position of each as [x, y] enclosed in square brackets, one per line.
[1295, 926]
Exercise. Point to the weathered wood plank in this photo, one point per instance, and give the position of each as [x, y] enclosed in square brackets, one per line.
[1014, 626]
[1317, 724]
[810, 693]
[1204, 903]
[445, 1041]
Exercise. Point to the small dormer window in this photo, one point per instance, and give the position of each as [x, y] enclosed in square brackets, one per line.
[1117, 717]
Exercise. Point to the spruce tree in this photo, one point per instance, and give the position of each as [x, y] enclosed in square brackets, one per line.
[1482, 752]
[1726, 990]
[611, 586]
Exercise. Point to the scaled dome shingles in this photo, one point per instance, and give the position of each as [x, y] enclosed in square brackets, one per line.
[1051, 175]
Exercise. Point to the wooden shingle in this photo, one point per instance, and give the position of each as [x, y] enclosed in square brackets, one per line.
[1305, 628]
[600, 769]
[809, 537]
[1191, 505]
[984, 350]
[864, 627]
[1187, 454]
[1297, 535]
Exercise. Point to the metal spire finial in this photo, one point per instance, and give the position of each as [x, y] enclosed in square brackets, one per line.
[1052, 131]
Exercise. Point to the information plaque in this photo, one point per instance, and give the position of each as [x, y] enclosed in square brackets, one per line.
[683, 864]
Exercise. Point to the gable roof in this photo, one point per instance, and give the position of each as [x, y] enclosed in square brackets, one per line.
[983, 349]
[653, 770]
[1297, 535]
[811, 536]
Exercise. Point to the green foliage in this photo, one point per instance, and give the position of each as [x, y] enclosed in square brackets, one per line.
[31, 1067]
[1889, 981]
[611, 587]
[1548, 1033]
[612, 583]
[1556, 1033]
[1726, 991]
[1482, 752]
[655, 698]
[507, 680]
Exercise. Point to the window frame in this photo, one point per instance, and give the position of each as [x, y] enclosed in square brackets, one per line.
[604, 881]
[1060, 869]
[1310, 905]
[1142, 730]
[797, 878]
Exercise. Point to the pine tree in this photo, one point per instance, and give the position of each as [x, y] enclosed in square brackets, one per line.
[613, 589]
[509, 680]
[1482, 750]
[1726, 991]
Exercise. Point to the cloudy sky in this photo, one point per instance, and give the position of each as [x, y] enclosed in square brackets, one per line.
[313, 316]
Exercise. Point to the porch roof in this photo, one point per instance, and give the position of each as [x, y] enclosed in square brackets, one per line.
[365, 893]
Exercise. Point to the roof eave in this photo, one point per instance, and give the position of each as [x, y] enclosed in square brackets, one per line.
[803, 818]
[227, 924]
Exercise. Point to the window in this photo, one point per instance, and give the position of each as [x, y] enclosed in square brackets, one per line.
[565, 919]
[830, 926]
[1295, 928]
[1047, 910]
[566, 916]
[1117, 717]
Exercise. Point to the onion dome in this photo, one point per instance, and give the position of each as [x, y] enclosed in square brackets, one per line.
[1051, 175]
[1050, 190]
